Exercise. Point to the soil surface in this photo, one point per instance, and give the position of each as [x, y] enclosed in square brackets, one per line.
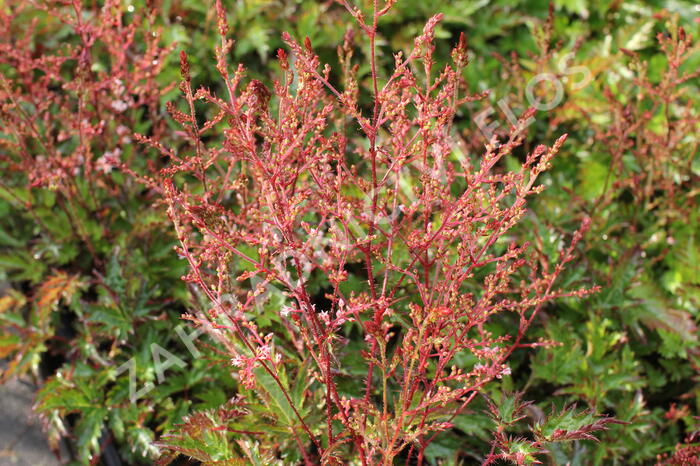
[22, 441]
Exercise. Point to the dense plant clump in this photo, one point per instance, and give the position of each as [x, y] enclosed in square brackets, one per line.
[342, 254]
[306, 188]
[88, 276]
[637, 179]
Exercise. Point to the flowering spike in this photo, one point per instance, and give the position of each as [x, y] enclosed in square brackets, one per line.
[282, 57]
[460, 54]
[184, 66]
[222, 21]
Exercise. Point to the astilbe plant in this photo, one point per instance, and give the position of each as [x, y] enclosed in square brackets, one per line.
[75, 79]
[636, 127]
[67, 110]
[644, 120]
[667, 153]
[72, 110]
[313, 187]
[652, 139]
[651, 128]
[686, 454]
